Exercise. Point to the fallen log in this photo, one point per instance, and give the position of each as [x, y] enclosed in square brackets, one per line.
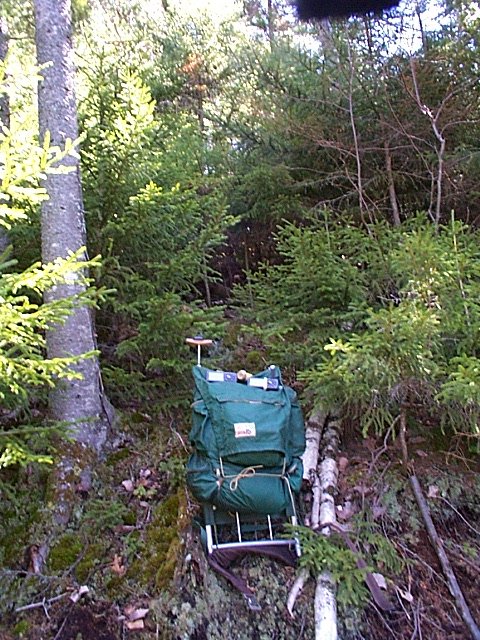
[313, 434]
[325, 592]
[435, 539]
[437, 544]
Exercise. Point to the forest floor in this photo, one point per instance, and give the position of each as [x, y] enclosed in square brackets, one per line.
[133, 548]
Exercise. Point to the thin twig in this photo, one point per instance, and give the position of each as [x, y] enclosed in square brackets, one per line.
[400, 601]
[417, 631]
[43, 603]
[382, 449]
[57, 635]
[460, 515]
[382, 618]
[420, 560]
[461, 557]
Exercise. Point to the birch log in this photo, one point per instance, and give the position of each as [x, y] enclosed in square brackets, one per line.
[325, 596]
[313, 434]
[325, 608]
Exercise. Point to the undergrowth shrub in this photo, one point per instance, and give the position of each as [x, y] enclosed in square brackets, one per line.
[376, 320]
[158, 217]
[331, 554]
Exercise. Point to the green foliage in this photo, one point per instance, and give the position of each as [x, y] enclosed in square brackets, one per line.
[118, 154]
[162, 543]
[387, 365]
[175, 469]
[154, 364]
[21, 506]
[329, 553]
[65, 552]
[163, 240]
[22, 165]
[158, 219]
[26, 374]
[377, 319]
[296, 304]
[102, 513]
[460, 395]
[377, 546]
[22, 325]
[321, 553]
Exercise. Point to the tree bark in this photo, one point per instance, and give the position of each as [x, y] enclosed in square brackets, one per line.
[435, 208]
[79, 403]
[362, 205]
[313, 434]
[271, 23]
[392, 194]
[325, 608]
[4, 110]
[4, 101]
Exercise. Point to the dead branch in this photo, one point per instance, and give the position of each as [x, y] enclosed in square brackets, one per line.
[462, 558]
[471, 527]
[43, 603]
[437, 544]
[383, 449]
[361, 198]
[296, 590]
[328, 484]
[438, 133]
[392, 194]
[313, 434]
[435, 539]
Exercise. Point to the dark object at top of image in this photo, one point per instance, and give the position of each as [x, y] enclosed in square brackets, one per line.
[321, 9]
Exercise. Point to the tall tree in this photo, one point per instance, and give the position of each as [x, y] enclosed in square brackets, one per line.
[4, 105]
[80, 402]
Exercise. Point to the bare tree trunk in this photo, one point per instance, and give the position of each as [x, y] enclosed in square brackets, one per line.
[271, 23]
[324, 32]
[392, 194]
[325, 608]
[361, 198]
[313, 434]
[435, 209]
[4, 110]
[4, 101]
[422, 30]
[77, 402]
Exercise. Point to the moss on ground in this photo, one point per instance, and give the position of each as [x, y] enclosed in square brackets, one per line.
[65, 552]
[156, 567]
[93, 556]
[21, 628]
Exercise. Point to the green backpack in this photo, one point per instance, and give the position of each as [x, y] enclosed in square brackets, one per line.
[247, 440]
